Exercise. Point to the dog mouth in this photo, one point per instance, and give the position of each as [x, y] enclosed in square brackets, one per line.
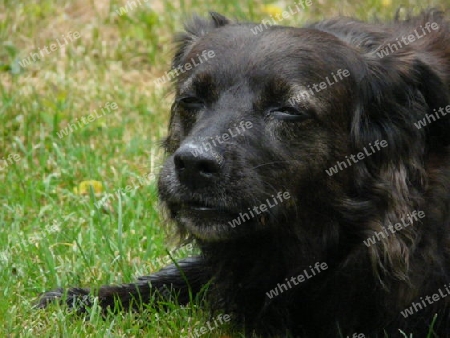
[199, 211]
[194, 206]
[200, 207]
[214, 222]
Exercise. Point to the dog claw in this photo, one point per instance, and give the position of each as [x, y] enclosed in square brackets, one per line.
[75, 298]
[49, 297]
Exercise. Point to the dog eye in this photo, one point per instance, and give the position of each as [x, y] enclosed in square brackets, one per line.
[191, 102]
[288, 114]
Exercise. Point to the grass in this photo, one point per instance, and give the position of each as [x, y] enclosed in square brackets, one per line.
[52, 235]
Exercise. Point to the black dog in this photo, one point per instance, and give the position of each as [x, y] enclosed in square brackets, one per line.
[311, 167]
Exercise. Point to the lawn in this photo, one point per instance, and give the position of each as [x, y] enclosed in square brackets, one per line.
[81, 117]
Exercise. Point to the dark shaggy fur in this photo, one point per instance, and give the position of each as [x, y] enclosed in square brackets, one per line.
[292, 141]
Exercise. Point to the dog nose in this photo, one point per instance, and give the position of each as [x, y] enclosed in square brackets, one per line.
[196, 168]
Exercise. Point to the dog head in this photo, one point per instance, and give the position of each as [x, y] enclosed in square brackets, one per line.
[260, 117]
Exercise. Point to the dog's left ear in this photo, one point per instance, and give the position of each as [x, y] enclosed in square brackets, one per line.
[436, 95]
[194, 29]
[394, 94]
[400, 99]
[409, 93]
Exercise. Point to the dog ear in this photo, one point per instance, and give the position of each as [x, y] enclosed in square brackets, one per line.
[436, 119]
[184, 42]
[394, 93]
[405, 90]
[194, 29]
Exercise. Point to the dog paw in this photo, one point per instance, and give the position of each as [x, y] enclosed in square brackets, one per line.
[74, 298]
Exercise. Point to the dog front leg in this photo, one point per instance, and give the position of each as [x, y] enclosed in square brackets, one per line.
[179, 281]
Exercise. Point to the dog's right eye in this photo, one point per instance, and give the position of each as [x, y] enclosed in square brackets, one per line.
[288, 114]
[191, 103]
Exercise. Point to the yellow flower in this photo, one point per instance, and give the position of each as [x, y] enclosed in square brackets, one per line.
[272, 9]
[83, 187]
[386, 3]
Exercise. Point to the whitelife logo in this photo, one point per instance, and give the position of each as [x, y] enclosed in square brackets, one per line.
[361, 156]
[406, 40]
[281, 196]
[129, 6]
[296, 280]
[174, 72]
[75, 125]
[432, 117]
[299, 6]
[306, 93]
[231, 133]
[10, 160]
[415, 307]
[398, 226]
[220, 320]
[53, 47]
